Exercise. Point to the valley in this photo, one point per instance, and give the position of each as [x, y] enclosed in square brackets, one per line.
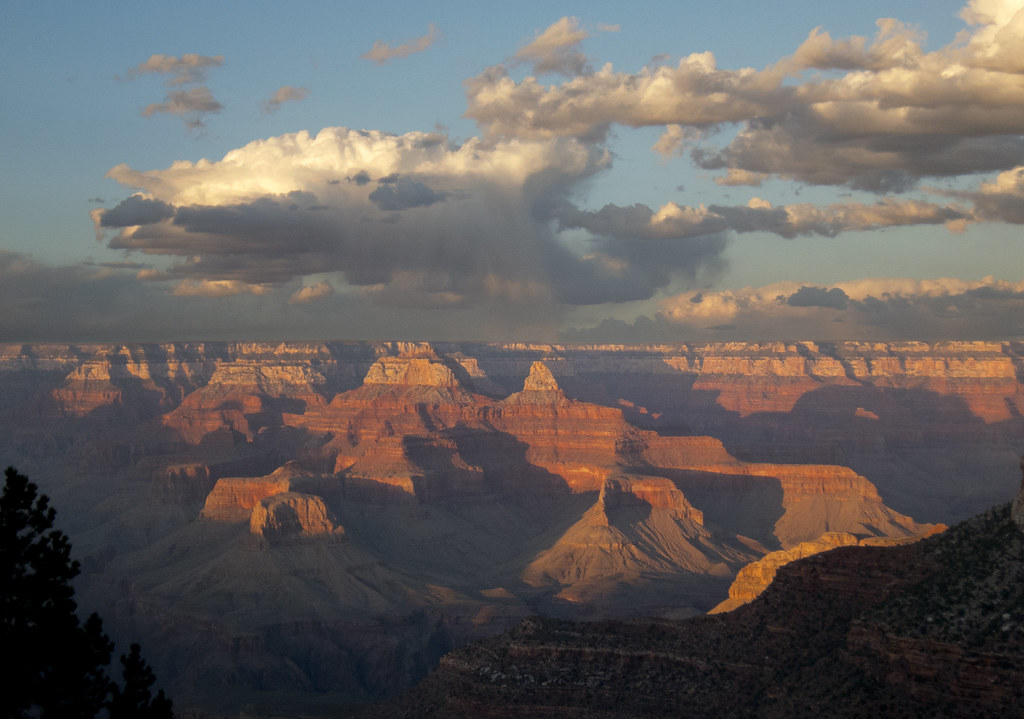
[311, 522]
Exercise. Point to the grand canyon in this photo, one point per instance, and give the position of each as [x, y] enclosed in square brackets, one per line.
[313, 525]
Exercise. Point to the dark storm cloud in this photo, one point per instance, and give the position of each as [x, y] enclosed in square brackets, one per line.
[818, 297]
[403, 193]
[360, 178]
[136, 210]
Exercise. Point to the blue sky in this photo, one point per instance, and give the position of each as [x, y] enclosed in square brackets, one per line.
[568, 172]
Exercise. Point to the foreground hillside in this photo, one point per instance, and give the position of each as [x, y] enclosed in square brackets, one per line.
[282, 524]
[932, 629]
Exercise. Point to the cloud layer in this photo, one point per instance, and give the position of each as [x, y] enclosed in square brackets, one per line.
[495, 229]
[407, 220]
[875, 115]
[867, 309]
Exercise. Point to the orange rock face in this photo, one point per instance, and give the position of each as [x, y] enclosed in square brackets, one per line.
[233, 498]
[496, 480]
[292, 515]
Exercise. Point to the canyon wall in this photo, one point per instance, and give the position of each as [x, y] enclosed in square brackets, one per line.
[367, 506]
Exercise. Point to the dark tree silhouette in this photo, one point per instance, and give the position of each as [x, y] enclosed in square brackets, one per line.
[56, 665]
[135, 701]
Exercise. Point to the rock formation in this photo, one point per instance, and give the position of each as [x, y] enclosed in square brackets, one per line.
[754, 578]
[402, 498]
[929, 629]
[292, 515]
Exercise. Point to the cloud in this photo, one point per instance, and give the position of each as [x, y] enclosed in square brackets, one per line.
[444, 225]
[675, 221]
[191, 104]
[867, 309]
[404, 193]
[382, 53]
[1001, 200]
[189, 68]
[195, 102]
[313, 293]
[556, 49]
[870, 309]
[216, 288]
[808, 296]
[873, 114]
[285, 93]
[136, 210]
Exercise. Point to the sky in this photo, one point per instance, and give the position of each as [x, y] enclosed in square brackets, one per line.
[530, 172]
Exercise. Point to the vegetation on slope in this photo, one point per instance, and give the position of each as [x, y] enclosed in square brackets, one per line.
[931, 629]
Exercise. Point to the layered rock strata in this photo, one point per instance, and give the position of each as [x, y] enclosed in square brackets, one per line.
[441, 491]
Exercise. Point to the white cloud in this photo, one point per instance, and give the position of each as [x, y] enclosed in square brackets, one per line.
[885, 114]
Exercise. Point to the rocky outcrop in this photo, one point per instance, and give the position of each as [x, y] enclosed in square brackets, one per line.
[540, 379]
[479, 482]
[292, 516]
[234, 498]
[754, 578]
[919, 630]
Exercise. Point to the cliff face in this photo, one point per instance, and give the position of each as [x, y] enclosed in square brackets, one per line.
[930, 629]
[456, 488]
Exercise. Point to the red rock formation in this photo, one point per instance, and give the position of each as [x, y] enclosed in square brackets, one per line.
[233, 498]
[756, 576]
[292, 515]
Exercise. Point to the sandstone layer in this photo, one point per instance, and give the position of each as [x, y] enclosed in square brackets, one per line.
[367, 506]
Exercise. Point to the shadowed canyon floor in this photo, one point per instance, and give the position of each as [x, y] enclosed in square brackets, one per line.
[311, 522]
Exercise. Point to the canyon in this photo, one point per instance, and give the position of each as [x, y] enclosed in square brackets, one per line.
[299, 523]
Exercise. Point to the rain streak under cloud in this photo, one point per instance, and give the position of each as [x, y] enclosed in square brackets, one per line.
[492, 236]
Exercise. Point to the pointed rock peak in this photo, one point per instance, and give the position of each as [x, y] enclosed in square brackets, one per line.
[540, 379]
[416, 371]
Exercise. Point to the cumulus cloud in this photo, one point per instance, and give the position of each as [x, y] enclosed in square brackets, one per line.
[136, 210]
[556, 49]
[1001, 200]
[285, 93]
[443, 225]
[382, 53]
[873, 114]
[495, 229]
[402, 193]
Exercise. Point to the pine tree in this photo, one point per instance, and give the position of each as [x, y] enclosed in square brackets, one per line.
[135, 701]
[56, 665]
